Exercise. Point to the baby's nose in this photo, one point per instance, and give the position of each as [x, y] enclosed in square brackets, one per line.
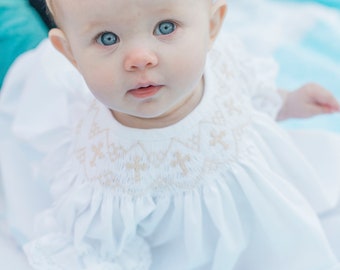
[140, 59]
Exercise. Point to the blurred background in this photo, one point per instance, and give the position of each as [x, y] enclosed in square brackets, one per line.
[302, 35]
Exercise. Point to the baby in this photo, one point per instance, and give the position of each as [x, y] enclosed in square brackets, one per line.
[173, 165]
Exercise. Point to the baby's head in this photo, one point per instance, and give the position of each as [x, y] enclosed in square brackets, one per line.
[143, 59]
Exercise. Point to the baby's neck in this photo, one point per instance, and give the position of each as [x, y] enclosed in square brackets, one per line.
[176, 115]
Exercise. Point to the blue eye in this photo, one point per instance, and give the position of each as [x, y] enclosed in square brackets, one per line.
[107, 39]
[165, 28]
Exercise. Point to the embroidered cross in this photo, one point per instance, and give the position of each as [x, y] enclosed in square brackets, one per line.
[218, 139]
[115, 151]
[97, 153]
[231, 107]
[181, 162]
[218, 117]
[94, 130]
[137, 166]
[81, 154]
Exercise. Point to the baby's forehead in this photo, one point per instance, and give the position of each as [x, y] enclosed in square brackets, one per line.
[60, 6]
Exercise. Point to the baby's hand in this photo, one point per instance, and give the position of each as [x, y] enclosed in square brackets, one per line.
[307, 101]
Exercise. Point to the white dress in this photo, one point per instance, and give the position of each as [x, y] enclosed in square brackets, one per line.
[224, 189]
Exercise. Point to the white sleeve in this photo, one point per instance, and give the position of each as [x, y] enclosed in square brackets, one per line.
[257, 75]
[261, 74]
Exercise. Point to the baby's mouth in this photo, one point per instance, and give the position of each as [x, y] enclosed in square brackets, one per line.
[146, 91]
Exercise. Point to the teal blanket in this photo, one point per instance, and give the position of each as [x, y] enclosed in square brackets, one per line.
[330, 3]
[21, 29]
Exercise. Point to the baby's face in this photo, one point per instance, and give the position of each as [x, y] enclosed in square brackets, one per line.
[143, 58]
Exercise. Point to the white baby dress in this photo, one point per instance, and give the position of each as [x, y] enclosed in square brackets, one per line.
[224, 189]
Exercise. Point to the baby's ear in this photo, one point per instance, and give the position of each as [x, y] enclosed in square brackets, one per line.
[218, 12]
[61, 43]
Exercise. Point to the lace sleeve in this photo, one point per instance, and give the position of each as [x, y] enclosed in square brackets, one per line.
[257, 75]
[260, 80]
[56, 252]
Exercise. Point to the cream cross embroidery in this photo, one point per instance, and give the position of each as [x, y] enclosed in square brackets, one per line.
[181, 162]
[231, 107]
[137, 166]
[81, 154]
[218, 139]
[97, 153]
[94, 130]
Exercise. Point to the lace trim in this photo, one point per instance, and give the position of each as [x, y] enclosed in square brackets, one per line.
[257, 74]
[55, 252]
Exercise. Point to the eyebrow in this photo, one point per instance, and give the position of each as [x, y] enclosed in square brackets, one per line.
[92, 26]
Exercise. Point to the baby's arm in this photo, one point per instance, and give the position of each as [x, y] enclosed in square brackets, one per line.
[309, 100]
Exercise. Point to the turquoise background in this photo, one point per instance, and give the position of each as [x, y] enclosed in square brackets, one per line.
[330, 3]
[21, 29]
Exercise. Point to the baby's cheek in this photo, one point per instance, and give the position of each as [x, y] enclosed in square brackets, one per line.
[100, 84]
